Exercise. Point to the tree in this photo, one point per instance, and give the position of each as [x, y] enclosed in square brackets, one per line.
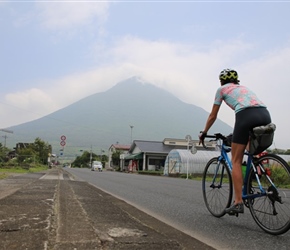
[104, 159]
[83, 161]
[3, 153]
[116, 157]
[42, 150]
[26, 155]
[34, 152]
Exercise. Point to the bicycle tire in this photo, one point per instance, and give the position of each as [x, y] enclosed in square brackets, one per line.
[272, 211]
[217, 194]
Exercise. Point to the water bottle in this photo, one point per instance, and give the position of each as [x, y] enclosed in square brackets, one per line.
[244, 169]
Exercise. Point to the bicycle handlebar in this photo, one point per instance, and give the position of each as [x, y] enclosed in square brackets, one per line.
[215, 137]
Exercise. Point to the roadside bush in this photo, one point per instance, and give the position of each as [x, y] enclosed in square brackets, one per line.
[184, 176]
[151, 172]
[278, 176]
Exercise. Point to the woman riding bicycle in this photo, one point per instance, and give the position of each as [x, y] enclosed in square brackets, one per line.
[250, 112]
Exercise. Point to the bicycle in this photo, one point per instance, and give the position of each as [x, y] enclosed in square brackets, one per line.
[268, 203]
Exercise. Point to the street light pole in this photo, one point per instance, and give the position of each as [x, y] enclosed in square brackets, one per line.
[131, 126]
[188, 138]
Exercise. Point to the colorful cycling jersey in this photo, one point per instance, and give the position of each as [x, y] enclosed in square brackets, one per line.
[237, 97]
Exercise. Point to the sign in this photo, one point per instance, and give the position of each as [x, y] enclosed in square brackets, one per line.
[188, 138]
[62, 142]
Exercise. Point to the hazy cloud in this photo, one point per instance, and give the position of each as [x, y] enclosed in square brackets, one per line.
[71, 15]
[180, 69]
[29, 105]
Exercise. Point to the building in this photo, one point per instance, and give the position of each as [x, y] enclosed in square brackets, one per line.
[151, 155]
[123, 149]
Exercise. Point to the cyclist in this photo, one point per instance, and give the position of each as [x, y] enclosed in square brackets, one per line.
[250, 112]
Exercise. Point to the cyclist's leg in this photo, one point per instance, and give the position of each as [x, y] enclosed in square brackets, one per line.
[239, 141]
[237, 158]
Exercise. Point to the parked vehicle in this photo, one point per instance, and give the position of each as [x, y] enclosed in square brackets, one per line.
[97, 166]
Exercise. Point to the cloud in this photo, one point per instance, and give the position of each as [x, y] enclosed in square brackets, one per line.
[178, 67]
[268, 77]
[26, 106]
[76, 14]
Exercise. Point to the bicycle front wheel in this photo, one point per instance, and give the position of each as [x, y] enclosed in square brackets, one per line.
[271, 211]
[217, 187]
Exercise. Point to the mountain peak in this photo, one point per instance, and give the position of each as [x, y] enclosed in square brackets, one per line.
[134, 80]
[137, 88]
[138, 79]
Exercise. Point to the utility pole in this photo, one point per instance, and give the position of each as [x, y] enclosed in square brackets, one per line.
[5, 136]
[91, 156]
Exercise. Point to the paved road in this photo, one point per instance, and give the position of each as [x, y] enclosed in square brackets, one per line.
[179, 203]
[53, 210]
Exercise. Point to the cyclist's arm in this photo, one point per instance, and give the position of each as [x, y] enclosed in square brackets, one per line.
[211, 118]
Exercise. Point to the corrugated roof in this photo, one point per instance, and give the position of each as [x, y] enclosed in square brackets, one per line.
[120, 146]
[154, 147]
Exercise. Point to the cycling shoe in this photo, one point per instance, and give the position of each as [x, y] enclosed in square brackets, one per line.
[235, 209]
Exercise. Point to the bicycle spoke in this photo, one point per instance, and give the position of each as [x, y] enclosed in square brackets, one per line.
[217, 189]
[271, 211]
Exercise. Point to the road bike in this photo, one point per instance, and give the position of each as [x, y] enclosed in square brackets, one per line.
[266, 187]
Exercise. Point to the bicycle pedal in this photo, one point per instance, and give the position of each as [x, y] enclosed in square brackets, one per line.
[233, 214]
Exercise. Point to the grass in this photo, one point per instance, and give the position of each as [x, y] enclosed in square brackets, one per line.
[151, 172]
[5, 172]
[196, 177]
[3, 175]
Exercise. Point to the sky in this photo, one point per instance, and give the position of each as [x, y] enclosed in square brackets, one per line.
[54, 53]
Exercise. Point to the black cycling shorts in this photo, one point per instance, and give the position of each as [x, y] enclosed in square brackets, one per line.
[248, 119]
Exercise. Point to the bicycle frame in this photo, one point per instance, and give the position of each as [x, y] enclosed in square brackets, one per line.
[224, 156]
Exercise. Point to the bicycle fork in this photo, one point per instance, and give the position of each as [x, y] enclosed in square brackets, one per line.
[219, 185]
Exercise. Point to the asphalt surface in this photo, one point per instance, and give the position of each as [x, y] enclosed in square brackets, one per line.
[54, 210]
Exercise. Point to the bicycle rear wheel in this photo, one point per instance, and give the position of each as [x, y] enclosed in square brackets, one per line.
[272, 211]
[217, 187]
